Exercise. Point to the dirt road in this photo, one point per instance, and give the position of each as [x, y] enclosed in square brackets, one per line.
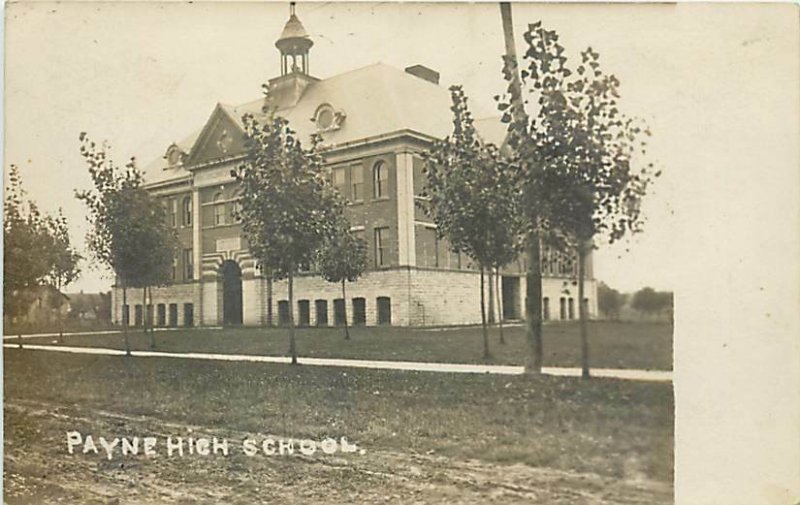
[38, 470]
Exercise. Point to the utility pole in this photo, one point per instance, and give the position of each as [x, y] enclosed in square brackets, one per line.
[533, 277]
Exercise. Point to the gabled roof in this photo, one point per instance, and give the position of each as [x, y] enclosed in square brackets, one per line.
[492, 130]
[376, 100]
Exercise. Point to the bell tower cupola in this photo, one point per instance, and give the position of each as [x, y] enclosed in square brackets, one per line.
[294, 44]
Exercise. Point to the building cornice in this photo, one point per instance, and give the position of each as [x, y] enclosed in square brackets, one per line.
[337, 149]
[169, 183]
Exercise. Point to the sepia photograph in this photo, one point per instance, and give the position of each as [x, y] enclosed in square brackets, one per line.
[307, 252]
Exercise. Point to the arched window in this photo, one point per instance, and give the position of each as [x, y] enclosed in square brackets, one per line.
[187, 211]
[379, 179]
[219, 210]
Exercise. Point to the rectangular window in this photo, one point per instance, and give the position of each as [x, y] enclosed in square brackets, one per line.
[435, 249]
[381, 252]
[322, 312]
[420, 178]
[173, 314]
[359, 312]
[304, 313]
[173, 212]
[188, 314]
[283, 313]
[384, 310]
[174, 268]
[162, 315]
[427, 246]
[357, 182]
[340, 180]
[188, 267]
[338, 312]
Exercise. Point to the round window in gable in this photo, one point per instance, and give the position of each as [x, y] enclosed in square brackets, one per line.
[174, 155]
[327, 118]
[324, 118]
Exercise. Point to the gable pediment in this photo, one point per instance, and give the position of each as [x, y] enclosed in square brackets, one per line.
[222, 137]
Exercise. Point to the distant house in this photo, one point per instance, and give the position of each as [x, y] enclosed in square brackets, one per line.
[43, 305]
[90, 307]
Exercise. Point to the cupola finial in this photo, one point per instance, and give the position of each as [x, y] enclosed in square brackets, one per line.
[294, 44]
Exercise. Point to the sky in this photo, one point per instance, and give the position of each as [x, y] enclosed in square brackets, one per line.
[142, 75]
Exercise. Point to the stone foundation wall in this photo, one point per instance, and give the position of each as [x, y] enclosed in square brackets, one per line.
[418, 297]
[179, 294]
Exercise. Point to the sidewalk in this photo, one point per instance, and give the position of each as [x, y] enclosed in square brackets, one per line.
[640, 375]
[98, 332]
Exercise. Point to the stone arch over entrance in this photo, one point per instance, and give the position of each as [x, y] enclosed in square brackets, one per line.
[231, 277]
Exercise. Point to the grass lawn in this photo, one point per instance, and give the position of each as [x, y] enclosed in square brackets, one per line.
[619, 430]
[612, 345]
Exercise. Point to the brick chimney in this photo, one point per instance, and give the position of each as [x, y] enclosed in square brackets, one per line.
[424, 73]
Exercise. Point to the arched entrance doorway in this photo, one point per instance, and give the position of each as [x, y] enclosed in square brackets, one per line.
[231, 292]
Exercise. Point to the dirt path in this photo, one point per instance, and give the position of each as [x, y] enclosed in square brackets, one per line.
[38, 470]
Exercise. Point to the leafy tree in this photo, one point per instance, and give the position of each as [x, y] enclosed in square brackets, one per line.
[601, 192]
[26, 250]
[288, 210]
[159, 247]
[609, 301]
[578, 153]
[538, 146]
[120, 233]
[343, 258]
[473, 197]
[64, 259]
[649, 301]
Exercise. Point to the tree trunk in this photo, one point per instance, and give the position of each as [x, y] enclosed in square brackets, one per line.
[499, 306]
[490, 318]
[152, 329]
[344, 303]
[269, 301]
[582, 312]
[533, 306]
[144, 311]
[58, 315]
[533, 288]
[292, 344]
[125, 321]
[486, 354]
